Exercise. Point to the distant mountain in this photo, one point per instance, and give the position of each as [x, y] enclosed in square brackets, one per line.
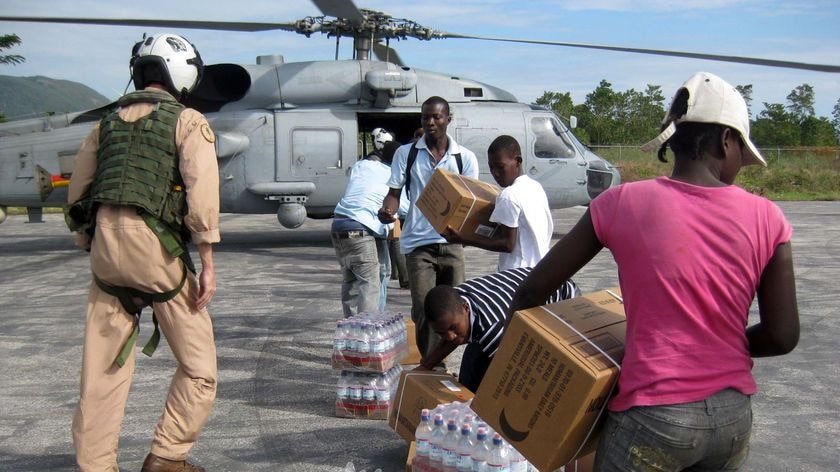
[29, 97]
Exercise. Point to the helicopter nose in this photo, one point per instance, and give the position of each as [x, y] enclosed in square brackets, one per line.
[600, 175]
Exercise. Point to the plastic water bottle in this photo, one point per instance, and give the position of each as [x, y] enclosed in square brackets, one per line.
[390, 335]
[480, 452]
[340, 339]
[436, 443]
[467, 418]
[422, 436]
[362, 342]
[517, 461]
[342, 392]
[478, 424]
[497, 461]
[376, 344]
[383, 390]
[465, 448]
[368, 389]
[354, 388]
[350, 337]
[450, 447]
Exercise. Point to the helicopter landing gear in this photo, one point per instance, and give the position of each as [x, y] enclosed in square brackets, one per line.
[35, 214]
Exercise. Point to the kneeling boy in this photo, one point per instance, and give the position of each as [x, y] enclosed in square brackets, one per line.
[474, 313]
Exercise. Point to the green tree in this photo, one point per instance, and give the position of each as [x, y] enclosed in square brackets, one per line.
[801, 102]
[643, 112]
[7, 41]
[746, 92]
[561, 103]
[817, 132]
[611, 117]
[775, 126]
[835, 114]
[600, 112]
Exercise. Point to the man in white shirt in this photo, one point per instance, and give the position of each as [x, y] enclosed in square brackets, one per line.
[522, 212]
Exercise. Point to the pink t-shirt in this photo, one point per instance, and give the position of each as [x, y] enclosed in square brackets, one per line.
[689, 262]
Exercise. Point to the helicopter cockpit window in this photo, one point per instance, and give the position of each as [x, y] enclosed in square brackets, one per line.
[551, 141]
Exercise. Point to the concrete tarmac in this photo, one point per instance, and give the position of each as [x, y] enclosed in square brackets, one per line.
[274, 315]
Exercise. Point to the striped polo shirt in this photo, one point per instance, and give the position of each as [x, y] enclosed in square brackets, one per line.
[489, 298]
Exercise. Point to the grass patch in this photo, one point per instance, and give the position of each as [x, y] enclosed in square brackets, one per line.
[807, 175]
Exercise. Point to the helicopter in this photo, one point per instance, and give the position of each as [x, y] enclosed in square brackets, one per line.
[287, 132]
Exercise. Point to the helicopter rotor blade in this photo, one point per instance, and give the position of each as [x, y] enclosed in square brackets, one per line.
[344, 9]
[187, 24]
[657, 52]
[387, 54]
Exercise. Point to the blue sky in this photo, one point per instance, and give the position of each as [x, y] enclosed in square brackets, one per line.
[803, 31]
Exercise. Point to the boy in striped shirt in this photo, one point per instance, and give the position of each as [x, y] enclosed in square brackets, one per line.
[474, 313]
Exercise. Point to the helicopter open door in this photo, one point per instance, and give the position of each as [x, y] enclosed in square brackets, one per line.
[554, 160]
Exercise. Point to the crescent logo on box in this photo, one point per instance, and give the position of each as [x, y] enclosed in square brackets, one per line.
[511, 433]
[446, 210]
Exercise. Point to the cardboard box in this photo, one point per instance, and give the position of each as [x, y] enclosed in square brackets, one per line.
[458, 201]
[413, 357]
[412, 451]
[418, 390]
[396, 230]
[547, 387]
[380, 363]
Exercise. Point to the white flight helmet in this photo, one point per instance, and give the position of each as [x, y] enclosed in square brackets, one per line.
[168, 58]
[380, 137]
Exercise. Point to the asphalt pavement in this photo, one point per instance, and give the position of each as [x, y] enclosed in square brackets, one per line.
[274, 316]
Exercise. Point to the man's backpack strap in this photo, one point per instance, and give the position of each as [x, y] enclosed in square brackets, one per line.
[409, 163]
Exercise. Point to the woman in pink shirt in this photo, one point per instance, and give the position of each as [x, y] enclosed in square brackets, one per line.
[692, 251]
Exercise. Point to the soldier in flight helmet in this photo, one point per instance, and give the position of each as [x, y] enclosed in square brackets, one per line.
[147, 181]
[168, 59]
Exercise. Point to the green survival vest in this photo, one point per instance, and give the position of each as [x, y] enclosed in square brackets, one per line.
[137, 162]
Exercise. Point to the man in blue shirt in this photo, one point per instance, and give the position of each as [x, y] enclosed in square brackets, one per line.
[359, 237]
[431, 261]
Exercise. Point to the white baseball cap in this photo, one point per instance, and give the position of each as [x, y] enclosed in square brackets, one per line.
[711, 100]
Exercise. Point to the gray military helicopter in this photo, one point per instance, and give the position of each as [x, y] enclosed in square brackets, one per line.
[288, 132]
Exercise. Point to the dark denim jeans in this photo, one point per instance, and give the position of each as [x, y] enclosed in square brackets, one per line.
[711, 434]
[429, 266]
